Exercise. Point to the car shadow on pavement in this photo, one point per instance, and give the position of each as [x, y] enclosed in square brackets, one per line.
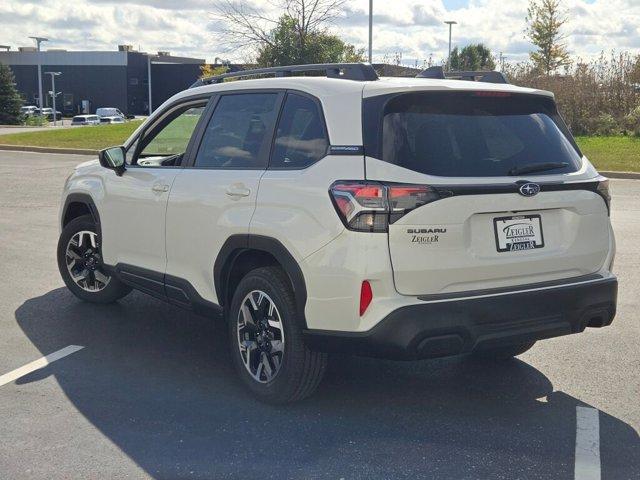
[157, 381]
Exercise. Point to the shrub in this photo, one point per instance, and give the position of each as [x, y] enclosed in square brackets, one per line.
[35, 121]
[605, 125]
[591, 96]
[632, 122]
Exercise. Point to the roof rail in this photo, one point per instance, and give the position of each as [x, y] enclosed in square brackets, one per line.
[347, 71]
[486, 77]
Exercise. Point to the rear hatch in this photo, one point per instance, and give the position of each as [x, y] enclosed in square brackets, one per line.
[486, 189]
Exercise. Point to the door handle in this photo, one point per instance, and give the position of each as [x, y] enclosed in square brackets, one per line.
[238, 190]
[160, 188]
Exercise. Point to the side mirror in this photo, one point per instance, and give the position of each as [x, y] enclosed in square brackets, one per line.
[113, 158]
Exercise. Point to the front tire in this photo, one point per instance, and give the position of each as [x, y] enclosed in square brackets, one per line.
[266, 340]
[503, 353]
[80, 263]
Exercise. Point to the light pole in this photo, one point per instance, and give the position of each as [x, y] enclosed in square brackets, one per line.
[149, 82]
[38, 41]
[502, 59]
[451, 23]
[370, 31]
[54, 94]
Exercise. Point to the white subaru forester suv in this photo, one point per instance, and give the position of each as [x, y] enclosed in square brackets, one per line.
[402, 218]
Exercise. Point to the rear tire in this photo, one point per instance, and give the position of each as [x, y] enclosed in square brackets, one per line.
[266, 344]
[80, 263]
[503, 353]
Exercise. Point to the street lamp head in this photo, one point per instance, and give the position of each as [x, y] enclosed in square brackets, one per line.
[53, 73]
[40, 39]
[451, 22]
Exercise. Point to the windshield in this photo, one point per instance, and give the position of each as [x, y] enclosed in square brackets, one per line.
[478, 134]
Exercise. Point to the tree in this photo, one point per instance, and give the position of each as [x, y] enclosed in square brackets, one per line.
[10, 99]
[299, 35]
[545, 20]
[286, 48]
[208, 70]
[472, 57]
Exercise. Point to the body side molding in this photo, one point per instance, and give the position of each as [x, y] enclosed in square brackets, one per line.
[174, 290]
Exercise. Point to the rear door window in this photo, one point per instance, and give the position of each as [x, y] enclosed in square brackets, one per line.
[476, 134]
[301, 138]
[239, 132]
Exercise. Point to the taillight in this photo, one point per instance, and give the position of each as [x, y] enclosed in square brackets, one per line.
[372, 206]
[361, 205]
[366, 295]
[405, 198]
[491, 94]
[604, 192]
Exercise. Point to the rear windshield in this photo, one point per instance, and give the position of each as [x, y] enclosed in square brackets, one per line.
[474, 134]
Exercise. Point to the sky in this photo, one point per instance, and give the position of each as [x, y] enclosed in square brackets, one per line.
[412, 28]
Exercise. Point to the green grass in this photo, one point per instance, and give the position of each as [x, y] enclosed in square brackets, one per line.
[173, 139]
[612, 153]
[89, 137]
[606, 153]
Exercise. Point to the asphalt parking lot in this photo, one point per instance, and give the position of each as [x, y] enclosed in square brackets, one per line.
[152, 394]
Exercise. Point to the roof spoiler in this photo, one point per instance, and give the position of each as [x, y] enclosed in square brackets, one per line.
[486, 77]
[346, 71]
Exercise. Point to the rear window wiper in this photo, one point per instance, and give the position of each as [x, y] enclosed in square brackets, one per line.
[537, 167]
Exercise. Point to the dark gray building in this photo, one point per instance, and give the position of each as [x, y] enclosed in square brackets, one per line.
[103, 79]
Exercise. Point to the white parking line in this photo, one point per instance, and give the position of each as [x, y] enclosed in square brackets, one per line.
[37, 364]
[587, 444]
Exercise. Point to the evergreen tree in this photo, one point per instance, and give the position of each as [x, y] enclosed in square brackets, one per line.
[10, 99]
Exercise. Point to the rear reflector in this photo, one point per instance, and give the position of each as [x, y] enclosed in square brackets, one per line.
[366, 295]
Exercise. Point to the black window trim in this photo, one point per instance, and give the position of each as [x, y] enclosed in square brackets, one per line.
[158, 123]
[189, 161]
[318, 104]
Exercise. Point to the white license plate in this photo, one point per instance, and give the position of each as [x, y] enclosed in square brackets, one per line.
[522, 232]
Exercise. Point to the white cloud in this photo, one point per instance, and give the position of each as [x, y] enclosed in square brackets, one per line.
[411, 27]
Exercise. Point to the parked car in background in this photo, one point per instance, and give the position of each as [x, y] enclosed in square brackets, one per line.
[48, 113]
[28, 110]
[114, 119]
[109, 112]
[85, 120]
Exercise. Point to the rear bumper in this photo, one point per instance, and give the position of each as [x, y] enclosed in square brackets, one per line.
[457, 326]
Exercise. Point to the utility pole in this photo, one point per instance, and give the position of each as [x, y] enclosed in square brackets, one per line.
[451, 23]
[54, 94]
[38, 41]
[370, 31]
[502, 59]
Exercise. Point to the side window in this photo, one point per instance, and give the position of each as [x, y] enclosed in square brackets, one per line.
[166, 143]
[172, 136]
[301, 139]
[237, 132]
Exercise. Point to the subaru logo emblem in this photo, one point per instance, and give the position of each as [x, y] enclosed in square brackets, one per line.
[529, 189]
